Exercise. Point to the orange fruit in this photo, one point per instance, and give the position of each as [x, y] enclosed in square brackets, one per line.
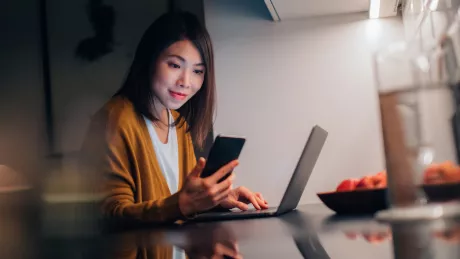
[347, 185]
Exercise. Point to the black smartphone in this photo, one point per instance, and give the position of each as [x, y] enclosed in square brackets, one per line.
[224, 150]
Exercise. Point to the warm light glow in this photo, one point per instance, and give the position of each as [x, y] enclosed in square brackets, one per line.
[373, 31]
[433, 5]
[374, 9]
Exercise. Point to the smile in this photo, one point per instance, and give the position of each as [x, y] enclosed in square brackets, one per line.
[177, 95]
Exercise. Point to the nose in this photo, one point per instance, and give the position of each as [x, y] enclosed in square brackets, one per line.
[185, 79]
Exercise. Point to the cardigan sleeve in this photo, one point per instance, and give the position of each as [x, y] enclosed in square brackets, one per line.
[108, 151]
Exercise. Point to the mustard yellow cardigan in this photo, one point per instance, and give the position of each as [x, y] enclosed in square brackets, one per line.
[119, 150]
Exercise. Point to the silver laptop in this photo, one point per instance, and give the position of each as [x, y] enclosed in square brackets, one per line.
[294, 191]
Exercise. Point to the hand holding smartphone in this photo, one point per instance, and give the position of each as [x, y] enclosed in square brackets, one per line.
[224, 150]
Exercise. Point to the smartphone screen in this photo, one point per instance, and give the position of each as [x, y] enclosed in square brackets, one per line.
[224, 150]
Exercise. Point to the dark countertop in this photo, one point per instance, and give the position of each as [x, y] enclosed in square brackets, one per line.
[313, 231]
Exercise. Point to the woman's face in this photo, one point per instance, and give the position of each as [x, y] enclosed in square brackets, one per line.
[179, 74]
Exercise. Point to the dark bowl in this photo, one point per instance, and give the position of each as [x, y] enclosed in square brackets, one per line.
[374, 200]
[355, 202]
[442, 192]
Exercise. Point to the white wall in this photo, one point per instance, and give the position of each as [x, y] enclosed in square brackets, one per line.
[276, 80]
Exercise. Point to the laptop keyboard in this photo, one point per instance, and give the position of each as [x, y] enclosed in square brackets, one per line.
[251, 211]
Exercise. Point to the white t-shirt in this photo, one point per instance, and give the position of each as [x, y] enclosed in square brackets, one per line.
[168, 159]
[167, 154]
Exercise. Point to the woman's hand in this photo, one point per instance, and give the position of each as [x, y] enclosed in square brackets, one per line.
[241, 197]
[215, 250]
[214, 241]
[201, 194]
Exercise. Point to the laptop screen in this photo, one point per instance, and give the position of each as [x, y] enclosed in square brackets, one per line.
[303, 170]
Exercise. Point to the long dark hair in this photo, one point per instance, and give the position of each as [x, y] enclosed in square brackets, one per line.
[169, 28]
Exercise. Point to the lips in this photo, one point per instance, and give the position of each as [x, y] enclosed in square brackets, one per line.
[177, 95]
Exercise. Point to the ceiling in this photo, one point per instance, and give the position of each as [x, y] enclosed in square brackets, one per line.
[292, 9]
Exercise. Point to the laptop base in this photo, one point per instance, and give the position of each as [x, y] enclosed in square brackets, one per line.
[231, 215]
[294, 190]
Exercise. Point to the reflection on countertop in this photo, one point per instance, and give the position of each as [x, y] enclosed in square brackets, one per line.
[312, 231]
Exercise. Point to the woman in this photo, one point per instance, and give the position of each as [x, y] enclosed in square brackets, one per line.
[142, 138]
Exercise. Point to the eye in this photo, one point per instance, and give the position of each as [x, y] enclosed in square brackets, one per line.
[199, 72]
[173, 65]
